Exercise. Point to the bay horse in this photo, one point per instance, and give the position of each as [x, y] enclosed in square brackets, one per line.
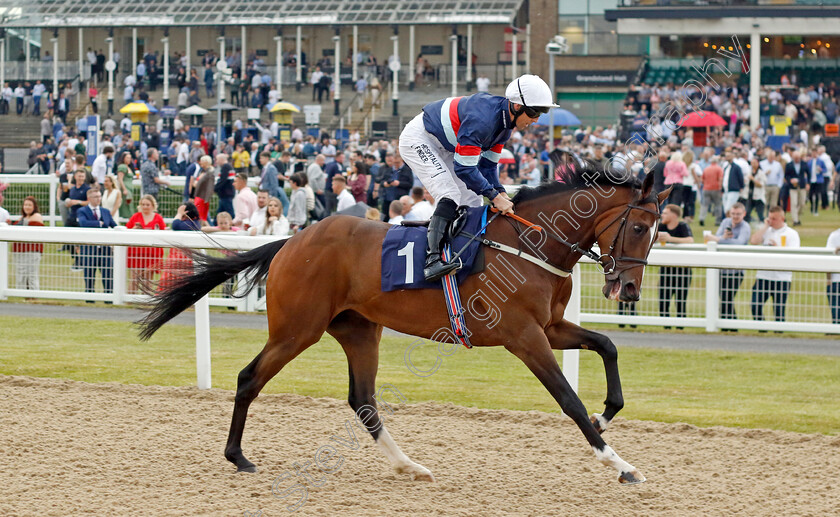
[327, 279]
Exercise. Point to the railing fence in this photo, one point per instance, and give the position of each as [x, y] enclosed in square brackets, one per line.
[71, 263]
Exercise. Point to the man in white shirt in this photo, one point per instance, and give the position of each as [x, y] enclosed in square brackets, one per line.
[421, 210]
[20, 93]
[37, 91]
[395, 212]
[100, 165]
[482, 84]
[328, 150]
[125, 124]
[316, 176]
[108, 126]
[128, 93]
[91, 57]
[774, 232]
[344, 197]
[529, 171]
[6, 99]
[742, 160]
[273, 96]
[182, 156]
[257, 218]
[775, 177]
[245, 202]
[832, 290]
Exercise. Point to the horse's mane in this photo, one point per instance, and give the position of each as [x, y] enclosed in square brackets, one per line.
[575, 173]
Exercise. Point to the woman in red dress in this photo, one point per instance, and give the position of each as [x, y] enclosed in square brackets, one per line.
[144, 262]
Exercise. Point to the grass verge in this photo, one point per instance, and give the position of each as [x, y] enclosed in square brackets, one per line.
[775, 391]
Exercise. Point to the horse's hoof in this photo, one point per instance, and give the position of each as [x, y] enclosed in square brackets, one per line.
[633, 477]
[417, 472]
[423, 476]
[247, 468]
[599, 422]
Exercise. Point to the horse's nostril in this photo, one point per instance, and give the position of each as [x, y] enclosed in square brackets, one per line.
[631, 292]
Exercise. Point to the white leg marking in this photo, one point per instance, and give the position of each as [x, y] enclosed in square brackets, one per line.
[609, 458]
[603, 423]
[401, 463]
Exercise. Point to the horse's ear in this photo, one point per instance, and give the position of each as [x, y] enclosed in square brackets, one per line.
[647, 185]
[662, 196]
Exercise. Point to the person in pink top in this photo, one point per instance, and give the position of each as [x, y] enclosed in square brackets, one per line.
[92, 95]
[675, 172]
[712, 197]
[245, 202]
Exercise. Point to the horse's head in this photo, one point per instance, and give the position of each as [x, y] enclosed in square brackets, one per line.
[625, 234]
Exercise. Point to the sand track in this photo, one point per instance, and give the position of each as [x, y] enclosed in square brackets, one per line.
[71, 448]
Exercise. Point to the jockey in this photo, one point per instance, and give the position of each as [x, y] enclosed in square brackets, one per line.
[454, 147]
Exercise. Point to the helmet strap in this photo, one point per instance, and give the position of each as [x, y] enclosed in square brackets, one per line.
[521, 110]
[515, 116]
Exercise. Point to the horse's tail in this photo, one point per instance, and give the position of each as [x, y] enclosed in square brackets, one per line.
[208, 272]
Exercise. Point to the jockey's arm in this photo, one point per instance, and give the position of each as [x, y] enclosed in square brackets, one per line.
[467, 158]
[488, 166]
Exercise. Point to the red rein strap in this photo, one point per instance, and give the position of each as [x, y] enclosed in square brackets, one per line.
[515, 217]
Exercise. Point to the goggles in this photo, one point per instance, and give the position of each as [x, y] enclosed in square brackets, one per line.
[534, 112]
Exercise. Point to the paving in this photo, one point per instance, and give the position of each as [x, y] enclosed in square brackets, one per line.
[772, 343]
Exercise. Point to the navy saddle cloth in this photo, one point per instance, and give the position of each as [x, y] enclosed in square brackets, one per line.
[404, 253]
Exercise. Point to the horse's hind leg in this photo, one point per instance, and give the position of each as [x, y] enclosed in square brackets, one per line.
[567, 336]
[359, 337]
[252, 378]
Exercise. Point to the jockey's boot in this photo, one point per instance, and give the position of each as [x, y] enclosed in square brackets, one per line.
[435, 268]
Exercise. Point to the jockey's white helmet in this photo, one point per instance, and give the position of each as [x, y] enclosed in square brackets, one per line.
[531, 91]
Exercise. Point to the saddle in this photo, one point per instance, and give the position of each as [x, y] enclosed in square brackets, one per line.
[454, 229]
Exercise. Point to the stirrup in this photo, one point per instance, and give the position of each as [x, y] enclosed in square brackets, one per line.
[438, 269]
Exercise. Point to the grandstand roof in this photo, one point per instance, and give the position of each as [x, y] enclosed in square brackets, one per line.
[116, 13]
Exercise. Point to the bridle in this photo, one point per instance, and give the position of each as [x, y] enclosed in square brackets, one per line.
[621, 218]
[622, 233]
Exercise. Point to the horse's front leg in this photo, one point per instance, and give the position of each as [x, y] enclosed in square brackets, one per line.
[534, 350]
[567, 336]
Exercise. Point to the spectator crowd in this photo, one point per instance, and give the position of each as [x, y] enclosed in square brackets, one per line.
[747, 190]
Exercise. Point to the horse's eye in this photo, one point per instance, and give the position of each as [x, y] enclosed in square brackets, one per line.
[638, 228]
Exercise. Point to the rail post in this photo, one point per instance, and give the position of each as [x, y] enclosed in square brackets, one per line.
[571, 358]
[4, 269]
[53, 207]
[120, 262]
[712, 293]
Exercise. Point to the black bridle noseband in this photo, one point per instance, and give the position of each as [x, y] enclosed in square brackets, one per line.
[622, 233]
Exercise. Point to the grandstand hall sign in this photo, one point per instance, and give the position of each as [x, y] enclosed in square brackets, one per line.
[593, 77]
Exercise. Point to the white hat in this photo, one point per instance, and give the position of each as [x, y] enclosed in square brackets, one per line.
[530, 91]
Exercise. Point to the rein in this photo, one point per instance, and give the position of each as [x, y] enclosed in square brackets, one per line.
[595, 257]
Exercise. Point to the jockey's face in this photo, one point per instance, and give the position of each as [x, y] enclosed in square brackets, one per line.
[522, 121]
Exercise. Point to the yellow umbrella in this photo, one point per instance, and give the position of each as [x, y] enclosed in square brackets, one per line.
[285, 106]
[138, 111]
[139, 108]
